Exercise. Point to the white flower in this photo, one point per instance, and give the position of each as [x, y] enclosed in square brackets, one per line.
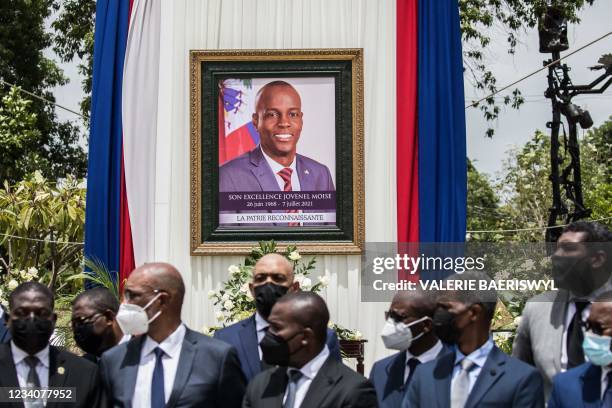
[228, 305]
[233, 269]
[13, 284]
[295, 256]
[225, 296]
[357, 335]
[33, 272]
[324, 281]
[219, 316]
[298, 278]
[23, 274]
[517, 320]
[212, 294]
[306, 284]
[528, 265]
[245, 288]
[206, 330]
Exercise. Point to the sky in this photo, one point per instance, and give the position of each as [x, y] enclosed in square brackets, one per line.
[513, 128]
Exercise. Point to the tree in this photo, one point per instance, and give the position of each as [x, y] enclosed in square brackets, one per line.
[483, 212]
[22, 62]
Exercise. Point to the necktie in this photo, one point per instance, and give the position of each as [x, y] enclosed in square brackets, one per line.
[294, 377]
[460, 386]
[33, 381]
[158, 399]
[285, 174]
[575, 336]
[412, 365]
[606, 401]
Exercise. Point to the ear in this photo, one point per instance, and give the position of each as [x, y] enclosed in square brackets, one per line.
[255, 118]
[598, 259]
[475, 311]
[295, 287]
[109, 315]
[54, 318]
[252, 289]
[427, 325]
[308, 335]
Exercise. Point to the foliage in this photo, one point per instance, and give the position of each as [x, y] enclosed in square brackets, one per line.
[483, 212]
[480, 18]
[97, 274]
[23, 39]
[49, 218]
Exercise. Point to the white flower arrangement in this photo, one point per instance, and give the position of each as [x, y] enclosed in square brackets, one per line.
[12, 278]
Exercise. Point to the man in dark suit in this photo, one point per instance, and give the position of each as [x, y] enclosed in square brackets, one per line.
[272, 278]
[29, 361]
[166, 364]
[306, 376]
[550, 333]
[476, 373]
[5, 335]
[589, 384]
[409, 329]
[94, 323]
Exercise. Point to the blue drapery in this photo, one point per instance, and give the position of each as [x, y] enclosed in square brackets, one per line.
[441, 124]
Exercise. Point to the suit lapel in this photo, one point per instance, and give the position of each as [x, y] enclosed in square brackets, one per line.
[249, 345]
[492, 370]
[442, 378]
[305, 175]
[8, 372]
[185, 364]
[262, 171]
[322, 384]
[274, 391]
[591, 386]
[395, 378]
[58, 371]
[129, 368]
[557, 317]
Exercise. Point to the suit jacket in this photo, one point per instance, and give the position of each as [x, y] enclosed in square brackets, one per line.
[577, 388]
[208, 373]
[243, 336]
[335, 385]
[387, 375]
[503, 382]
[5, 334]
[251, 172]
[539, 336]
[65, 370]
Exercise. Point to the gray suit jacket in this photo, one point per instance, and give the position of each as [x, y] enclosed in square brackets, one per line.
[208, 373]
[251, 172]
[539, 336]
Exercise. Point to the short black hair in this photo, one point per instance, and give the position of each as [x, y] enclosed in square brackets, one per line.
[597, 235]
[32, 286]
[313, 312]
[101, 298]
[485, 297]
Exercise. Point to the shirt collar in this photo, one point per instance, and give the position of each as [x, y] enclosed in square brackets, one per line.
[260, 322]
[604, 372]
[19, 355]
[478, 356]
[274, 165]
[311, 368]
[428, 355]
[171, 344]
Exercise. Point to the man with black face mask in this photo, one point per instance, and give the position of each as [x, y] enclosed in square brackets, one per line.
[550, 332]
[272, 278]
[476, 373]
[409, 329]
[29, 361]
[94, 325]
[306, 376]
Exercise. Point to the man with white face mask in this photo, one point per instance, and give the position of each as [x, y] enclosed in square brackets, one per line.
[408, 329]
[166, 364]
[589, 384]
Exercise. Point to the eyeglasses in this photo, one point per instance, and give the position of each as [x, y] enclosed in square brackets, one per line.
[595, 328]
[80, 321]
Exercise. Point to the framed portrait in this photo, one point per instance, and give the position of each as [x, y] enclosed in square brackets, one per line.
[277, 150]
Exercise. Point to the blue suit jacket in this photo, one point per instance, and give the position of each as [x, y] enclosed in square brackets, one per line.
[243, 336]
[251, 172]
[503, 382]
[208, 374]
[387, 375]
[5, 334]
[576, 388]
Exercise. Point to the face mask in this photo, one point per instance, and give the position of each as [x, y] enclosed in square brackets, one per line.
[444, 326]
[133, 319]
[266, 296]
[398, 336]
[573, 273]
[87, 340]
[275, 349]
[597, 349]
[31, 334]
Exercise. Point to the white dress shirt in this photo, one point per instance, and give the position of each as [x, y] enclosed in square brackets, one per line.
[172, 346]
[276, 167]
[260, 325]
[428, 355]
[478, 357]
[604, 380]
[309, 372]
[42, 368]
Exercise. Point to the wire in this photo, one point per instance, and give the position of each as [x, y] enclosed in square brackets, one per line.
[41, 240]
[533, 229]
[41, 98]
[473, 104]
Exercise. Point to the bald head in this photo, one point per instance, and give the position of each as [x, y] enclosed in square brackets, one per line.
[161, 276]
[266, 91]
[417, 303]
[275, 263]
[308, 310]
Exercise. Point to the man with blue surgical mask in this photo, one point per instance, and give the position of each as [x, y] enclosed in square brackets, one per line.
[590, 384]
[409, 330]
